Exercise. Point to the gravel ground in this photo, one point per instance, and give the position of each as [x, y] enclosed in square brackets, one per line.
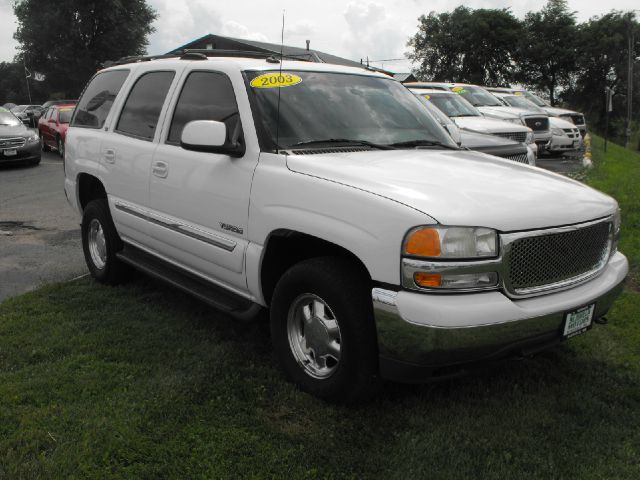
[39, 232]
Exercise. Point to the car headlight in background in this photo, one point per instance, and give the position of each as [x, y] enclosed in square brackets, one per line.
[451, 242]
[514, 120]
[557, 131]
[617, 220]
[33, 138]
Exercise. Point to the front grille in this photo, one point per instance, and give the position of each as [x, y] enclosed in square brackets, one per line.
[550, 259]
[11, 142]
[537, 124]
[572, 132]
[520, 158]
[515, 136]
[577, 119]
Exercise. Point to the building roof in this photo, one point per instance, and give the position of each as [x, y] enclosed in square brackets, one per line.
[405, 77]
[218, 42]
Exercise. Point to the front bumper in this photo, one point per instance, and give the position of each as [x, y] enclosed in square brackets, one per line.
[25, 153]
[542, 140]
[562, 143]
[422, 335]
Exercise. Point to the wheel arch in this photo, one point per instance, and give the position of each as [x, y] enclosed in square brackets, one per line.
[89, 187]
[284, 248]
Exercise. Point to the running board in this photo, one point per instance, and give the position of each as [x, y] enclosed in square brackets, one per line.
[221, 299]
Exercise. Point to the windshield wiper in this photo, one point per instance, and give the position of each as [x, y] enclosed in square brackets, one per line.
[344, 140]
[423, 143]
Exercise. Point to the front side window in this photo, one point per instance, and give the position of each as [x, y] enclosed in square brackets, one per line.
[204, 96]
[323, 106]
[476, 96]
[521, 102]
[141, 111]
[65, 115]
[97, 99]
[454, 105]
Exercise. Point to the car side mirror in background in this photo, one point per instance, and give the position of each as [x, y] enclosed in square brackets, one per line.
[210, 136]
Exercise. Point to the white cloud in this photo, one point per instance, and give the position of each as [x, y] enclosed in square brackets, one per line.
[7, 29]
[237, 30]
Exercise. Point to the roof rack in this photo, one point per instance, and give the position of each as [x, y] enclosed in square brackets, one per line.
[202, 54]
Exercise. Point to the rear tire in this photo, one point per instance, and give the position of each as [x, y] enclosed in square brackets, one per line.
[101, 243]
[61, 148]
[323, 332]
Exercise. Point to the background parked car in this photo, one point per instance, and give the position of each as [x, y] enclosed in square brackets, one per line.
[9, 106]
[17, 142]
[28, 114]
[572, 116]
[52, 127]
[49, 103]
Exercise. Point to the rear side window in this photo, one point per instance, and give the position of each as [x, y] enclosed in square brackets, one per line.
[205, 96]
[97, 99]
[140, 113]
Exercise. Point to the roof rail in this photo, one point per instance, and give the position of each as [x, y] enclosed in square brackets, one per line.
[202, 53]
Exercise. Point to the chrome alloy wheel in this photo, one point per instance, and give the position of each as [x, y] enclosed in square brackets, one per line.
[314, 336]
[97, 244]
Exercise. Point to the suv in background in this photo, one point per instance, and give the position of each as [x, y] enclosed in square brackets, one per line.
[491, 107]
[571, 116]
[329, 196]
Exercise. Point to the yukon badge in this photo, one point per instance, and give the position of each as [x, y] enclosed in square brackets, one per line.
[231, 228]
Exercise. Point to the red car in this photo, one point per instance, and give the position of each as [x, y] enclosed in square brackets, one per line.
[53, 125]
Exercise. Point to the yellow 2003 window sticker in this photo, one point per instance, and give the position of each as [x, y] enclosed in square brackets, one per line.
[458, 90]
[427, 96]
[275, 80]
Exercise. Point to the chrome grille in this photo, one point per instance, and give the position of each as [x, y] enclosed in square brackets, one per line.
[11, 142]
[516, 136]
[558, 258]
[537, 124]
[520, 158]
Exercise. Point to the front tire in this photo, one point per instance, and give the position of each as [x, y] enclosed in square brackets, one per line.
[323, 332]
[101, 243]
[61, 148]
[43, 145]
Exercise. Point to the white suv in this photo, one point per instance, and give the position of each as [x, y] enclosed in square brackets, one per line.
[330, 196]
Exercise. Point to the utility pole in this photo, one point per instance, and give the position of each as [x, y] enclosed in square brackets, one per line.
[627, 133]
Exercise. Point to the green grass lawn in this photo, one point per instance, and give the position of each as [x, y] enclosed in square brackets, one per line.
[140, 381]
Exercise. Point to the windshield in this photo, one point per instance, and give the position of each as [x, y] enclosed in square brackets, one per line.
[521, 102]
[19, 108]
[454, 105]
[536, 100]
[476, 96]
[9, 120]
[65, 115]
[321, 106]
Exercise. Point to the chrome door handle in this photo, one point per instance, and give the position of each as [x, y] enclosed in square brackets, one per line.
[160, 169]
[109, 155]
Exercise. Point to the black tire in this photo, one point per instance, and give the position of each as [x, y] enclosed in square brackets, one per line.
[346, 291]
[113, 271]
[36, 161]
[43, 145]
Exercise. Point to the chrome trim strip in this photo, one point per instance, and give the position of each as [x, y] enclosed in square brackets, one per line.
[182, 228]
[501, 265]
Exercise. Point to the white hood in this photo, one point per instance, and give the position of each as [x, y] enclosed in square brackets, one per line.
[555, 122]
[462, 187]
[488, 125]
[508, 112]
[559, 111]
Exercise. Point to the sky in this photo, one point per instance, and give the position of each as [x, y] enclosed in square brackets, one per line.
[352, 29]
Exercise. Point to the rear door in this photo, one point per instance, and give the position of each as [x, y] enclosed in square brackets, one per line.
[127, 150]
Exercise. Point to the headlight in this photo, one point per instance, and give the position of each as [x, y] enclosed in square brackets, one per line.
[529, 137]
[451, 242]
[617, 220]
[513, 120]
[557, 131]
[33, 138]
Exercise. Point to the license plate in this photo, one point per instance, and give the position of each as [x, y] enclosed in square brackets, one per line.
[578, 321]
[10, 153]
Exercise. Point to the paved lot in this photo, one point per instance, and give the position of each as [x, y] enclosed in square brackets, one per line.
[39, 233]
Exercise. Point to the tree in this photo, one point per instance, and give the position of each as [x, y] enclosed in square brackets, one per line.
[68, 40]
[466, 45]
[602, 61]
[546, 53]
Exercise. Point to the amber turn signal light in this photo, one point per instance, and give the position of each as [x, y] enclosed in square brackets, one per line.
[424, 243]
[432, 280]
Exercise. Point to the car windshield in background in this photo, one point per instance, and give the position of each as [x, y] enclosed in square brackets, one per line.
[476, 96]
[534, 99]
[65, 115]
[519, 101]
[454, 105]
[9, 120]
[318, 107]
[19, 109]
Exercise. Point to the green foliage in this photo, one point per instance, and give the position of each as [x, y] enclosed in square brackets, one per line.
[474, 46]
[546, 54]
[68, 40]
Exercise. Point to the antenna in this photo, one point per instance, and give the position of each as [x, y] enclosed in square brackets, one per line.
[279, 88]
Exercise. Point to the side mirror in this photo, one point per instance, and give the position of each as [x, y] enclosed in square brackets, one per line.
[211, 136]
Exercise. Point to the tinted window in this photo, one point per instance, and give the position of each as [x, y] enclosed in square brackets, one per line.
[65, 115]
[205, 96]
[140, 113]
[95, 104]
